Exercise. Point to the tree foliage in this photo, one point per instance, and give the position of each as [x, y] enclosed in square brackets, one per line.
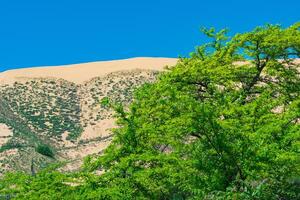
[221, 124]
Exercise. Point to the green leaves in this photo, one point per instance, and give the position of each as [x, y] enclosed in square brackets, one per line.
[231, 121]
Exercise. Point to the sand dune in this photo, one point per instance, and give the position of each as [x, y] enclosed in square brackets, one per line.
[79, 73]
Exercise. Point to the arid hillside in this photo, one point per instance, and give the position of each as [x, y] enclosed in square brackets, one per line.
[50, 114]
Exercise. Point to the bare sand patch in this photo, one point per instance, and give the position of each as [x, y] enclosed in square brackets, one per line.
[5, 134]
[76, 154]
[101, 129]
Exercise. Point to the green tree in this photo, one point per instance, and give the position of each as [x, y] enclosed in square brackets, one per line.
[223, 123]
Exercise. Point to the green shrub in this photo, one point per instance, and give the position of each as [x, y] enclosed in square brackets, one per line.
[45, 150]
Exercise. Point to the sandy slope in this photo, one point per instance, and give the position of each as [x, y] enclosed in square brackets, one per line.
[97, 136]
[78, 73]
[5, 133]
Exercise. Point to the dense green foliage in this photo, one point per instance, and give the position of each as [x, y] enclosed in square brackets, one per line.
[45, 150]
[222, 124]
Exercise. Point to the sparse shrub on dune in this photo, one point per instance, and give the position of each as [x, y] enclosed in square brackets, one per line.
[45, 150]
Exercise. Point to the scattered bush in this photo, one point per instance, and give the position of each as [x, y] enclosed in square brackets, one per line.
[45, 150]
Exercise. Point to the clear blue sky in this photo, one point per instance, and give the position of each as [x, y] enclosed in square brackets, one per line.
[55, 32]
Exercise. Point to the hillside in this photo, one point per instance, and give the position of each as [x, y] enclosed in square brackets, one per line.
[58, 108]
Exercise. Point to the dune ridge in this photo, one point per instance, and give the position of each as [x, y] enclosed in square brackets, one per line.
[79, 73]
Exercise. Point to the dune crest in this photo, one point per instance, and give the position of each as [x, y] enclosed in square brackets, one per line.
[79, 73]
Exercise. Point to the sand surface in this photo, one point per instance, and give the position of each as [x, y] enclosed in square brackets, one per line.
[95, 137]
[79, 73]
[5, 133]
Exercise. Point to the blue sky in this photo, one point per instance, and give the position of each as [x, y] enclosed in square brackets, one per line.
[56, 32]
